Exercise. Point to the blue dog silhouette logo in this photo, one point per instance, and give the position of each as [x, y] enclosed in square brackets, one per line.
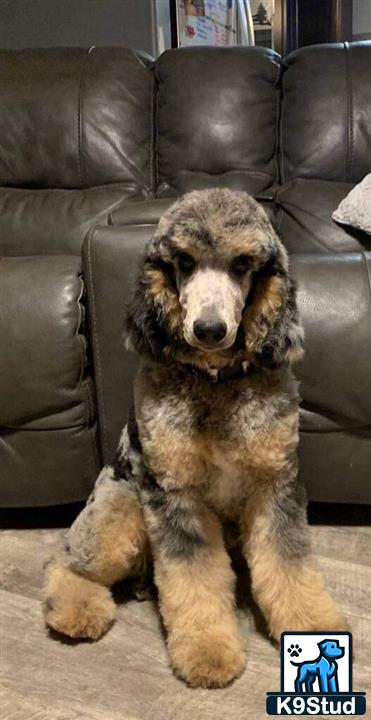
[324, 668]
[316, 676]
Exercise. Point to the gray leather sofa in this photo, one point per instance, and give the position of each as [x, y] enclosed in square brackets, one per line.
[100, 142]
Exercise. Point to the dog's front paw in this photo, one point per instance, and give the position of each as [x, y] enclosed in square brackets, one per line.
[75, 606]
[210, 660]
[321, 615]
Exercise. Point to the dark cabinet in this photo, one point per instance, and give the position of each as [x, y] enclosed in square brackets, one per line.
[308, 22]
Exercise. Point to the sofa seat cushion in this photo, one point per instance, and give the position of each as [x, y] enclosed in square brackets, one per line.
[34, 222]
[148, 212]
[47, 410]
[305, 223]
[334, 298]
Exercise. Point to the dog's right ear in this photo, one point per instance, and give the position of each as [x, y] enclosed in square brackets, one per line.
[153, 314]
[271, 322]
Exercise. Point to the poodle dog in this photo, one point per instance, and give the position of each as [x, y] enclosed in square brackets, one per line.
[212, 437]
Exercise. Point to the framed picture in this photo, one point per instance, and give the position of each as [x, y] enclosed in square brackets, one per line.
[204, 22]
[263, 20]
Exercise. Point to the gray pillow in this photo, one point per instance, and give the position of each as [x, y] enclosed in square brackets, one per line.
[355, 209]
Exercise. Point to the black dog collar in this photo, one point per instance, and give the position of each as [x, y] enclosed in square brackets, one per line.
[232, 372]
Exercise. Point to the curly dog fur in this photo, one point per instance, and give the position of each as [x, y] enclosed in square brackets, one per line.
[213, 436]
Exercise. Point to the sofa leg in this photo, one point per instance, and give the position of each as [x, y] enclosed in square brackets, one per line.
[106, 543]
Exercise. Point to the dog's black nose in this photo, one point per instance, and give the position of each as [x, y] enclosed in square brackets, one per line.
[209, 331]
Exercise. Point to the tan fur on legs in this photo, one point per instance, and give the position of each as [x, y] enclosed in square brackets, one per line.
[106, 543]
[123, 545]
[290, 592]
[196, 602]
[292, 596]
[76, 606]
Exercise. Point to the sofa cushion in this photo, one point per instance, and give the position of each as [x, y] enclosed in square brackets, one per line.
[148, 212]
[74, 118]
[335, 466]
[140, 213]
[326, 112]
[334, 298]
[47, 410]
[334, 293]
[110, 261]
[216, 118]
[305, 223]
[33, 222]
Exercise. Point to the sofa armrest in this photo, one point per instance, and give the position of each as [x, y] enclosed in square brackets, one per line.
[110, 259]
[334, 298]
[48, 449]
[334, 302]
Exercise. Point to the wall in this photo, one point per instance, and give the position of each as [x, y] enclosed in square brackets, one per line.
[50, 23]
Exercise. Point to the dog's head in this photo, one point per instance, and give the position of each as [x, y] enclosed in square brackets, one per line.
[331, 649]
[214, 286]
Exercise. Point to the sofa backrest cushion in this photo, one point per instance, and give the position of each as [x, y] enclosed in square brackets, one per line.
[326, 113]
[74, 118]
[216, 118]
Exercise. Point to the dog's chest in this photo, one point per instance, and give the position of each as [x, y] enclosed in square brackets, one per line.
[226, 488]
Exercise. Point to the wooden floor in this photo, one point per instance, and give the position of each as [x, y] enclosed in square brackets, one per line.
[125, 676]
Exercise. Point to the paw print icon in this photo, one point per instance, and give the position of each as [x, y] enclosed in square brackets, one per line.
[294, 650]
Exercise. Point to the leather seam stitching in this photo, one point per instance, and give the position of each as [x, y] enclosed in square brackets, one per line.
[350, 127]
[242, 171]
[282, 107]
[90, 401]
[319, 243]
[364, 258]
[277, 128]
[156, 171]
[21, 428]
[81, 352]
[80, 138]
[84, 384]
[93, 443]
[96, 343]
[152, 145]
[279, 218]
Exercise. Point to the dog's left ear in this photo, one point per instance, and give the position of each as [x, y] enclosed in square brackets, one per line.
[273, 332]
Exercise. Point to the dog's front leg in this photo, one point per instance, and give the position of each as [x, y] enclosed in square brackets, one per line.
[196, 587]
[286, 583]
[106, 543]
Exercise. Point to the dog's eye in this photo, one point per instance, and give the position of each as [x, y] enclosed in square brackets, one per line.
[185, 262]
[241, 264]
